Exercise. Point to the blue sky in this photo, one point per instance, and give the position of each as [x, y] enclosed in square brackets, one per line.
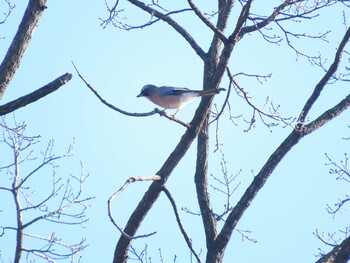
[113, 147]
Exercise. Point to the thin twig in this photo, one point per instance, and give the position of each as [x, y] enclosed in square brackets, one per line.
[223, 105]
[109, 105]
[168, 19]
[244, 95]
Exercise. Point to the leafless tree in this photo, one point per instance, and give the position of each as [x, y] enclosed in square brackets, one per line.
[61, 203]
[231, 22]
[275, 27]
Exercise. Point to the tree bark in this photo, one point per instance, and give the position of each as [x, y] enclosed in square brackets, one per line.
[339, 254]
[152, 194]
[20, 42]
[35, 95]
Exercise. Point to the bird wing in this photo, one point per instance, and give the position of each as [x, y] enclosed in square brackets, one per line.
[175, 91]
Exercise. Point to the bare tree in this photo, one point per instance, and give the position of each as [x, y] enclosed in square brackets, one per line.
[61, 203]
[275, 27]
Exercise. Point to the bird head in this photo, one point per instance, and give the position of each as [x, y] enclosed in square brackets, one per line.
[145, 90]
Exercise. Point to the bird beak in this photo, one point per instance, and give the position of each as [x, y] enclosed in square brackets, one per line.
[140, 95]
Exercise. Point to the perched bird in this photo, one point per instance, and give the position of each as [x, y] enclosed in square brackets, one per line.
[173, 98]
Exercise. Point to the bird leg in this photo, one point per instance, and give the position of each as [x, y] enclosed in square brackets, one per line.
[174, 115]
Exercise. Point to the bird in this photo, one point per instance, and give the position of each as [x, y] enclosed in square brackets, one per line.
[173, 98]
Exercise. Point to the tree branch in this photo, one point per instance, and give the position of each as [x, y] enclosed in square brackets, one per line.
[281, 151]
[268, 20]
[132, 114]
[19, 143]
[199, 51]
[255, 186]
[68, 200]
[242, 93]
[221, 61]
[152, 194]
[178, 220]
[20, 42]
[36, 95]
[234, 37]
[339, 254]
[327, 116]
[113, 196]
[224, 10]
[322, 83]
[217, 116]
[198, 12]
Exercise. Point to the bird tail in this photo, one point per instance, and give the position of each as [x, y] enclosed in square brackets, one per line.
[210, 92]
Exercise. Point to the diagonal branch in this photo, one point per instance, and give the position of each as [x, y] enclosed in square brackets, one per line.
[322, 83]
[268, 20]
[152, 194]
[226, 52]
[109, 104]
[235, 36]
[293, 138]
[133, 114]
[35, 95]
[224, 10]
[258, 182]
[198, 12]
[182, 229]
[50, 160]
[174, 25]
[20, 42]
[127, 27]
[223, 105]
[327, 116]
[340, 253]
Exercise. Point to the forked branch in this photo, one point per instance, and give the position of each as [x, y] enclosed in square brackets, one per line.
[282, 150]
[323, 82]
